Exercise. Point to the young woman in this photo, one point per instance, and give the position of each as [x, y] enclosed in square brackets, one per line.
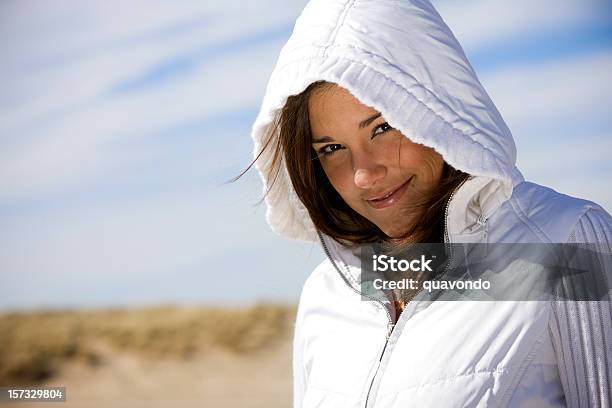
[375, 128]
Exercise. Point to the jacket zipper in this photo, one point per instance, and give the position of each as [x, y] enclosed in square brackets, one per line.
[390, 325]
[446, 234]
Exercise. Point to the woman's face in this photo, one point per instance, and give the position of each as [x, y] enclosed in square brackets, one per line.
[376, 170]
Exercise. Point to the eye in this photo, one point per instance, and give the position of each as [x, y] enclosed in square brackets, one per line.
[329, 149]
[379, 129]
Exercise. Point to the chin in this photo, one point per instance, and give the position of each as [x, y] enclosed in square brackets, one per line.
[394, 232]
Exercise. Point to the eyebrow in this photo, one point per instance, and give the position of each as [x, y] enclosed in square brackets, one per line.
[369, 120]
[362, 124]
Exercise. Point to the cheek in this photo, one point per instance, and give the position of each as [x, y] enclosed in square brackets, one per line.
[421, 160]
[340, 176]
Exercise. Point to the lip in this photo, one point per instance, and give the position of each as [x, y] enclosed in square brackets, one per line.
[389, 199]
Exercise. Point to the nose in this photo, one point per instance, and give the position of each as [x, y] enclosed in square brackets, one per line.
[367, 174]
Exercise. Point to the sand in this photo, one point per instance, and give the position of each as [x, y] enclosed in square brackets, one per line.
[216, 379]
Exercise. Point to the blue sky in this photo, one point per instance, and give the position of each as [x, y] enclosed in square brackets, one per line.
[121, 121]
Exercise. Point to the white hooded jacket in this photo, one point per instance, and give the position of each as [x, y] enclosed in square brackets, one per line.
[400, 58]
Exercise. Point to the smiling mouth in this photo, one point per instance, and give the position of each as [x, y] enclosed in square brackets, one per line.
[389, 198]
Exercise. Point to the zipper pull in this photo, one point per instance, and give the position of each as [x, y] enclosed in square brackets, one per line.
[481, 221]
[390, 329]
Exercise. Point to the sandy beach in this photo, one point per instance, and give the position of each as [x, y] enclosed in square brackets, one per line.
[212, 377]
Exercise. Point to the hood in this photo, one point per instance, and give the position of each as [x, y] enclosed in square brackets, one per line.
[401, 59]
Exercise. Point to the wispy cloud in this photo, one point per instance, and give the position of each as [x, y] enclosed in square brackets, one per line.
[181, 65]
[74, 144]
[482, 24]
[194, 241]
[566, 89]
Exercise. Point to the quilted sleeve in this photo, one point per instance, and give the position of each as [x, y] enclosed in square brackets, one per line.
[582, 330]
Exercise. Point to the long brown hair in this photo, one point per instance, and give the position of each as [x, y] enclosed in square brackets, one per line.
[290, 138]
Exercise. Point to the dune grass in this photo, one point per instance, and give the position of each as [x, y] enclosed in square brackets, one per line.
[33, 345]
